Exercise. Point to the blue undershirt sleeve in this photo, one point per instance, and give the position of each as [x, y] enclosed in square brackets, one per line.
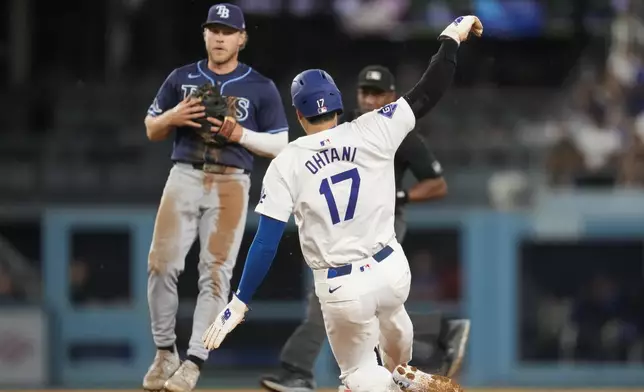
[260, 256]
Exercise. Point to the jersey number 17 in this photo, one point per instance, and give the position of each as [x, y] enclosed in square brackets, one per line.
[325, 189]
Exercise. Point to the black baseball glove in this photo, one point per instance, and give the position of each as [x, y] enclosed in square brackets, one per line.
[219, 107]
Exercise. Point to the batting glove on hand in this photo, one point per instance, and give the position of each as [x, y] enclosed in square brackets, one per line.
[225, 322]
[460, 29]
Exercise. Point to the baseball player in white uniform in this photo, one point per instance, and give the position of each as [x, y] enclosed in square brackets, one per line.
[338, 182]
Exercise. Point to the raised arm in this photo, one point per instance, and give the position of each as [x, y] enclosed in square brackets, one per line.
[384, 129]
[440, 72]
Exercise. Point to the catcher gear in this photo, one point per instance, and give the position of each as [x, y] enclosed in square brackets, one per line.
[314, 92]
[219, 107]
[460, 29]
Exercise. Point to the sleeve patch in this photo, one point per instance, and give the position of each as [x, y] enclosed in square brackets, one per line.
[388, 110]
[155, 108]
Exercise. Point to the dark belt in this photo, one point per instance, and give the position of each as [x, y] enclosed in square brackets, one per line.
[215, 168]
[335, 272]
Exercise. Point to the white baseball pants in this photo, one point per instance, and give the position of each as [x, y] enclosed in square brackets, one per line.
[365, 307]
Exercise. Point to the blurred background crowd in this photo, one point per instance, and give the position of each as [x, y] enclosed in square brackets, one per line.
[550, 101]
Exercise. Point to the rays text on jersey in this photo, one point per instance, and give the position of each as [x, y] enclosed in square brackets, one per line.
[330, 155]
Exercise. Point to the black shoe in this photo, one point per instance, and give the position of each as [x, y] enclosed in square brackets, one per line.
[455, 343]
[285, 381]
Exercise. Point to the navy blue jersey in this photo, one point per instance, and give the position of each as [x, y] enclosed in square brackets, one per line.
[258, 107]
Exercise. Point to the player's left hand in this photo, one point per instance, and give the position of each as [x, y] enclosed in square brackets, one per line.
[225, 322]
[229, 128]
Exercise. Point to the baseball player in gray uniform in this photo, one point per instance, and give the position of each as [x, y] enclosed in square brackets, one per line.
[206, 194]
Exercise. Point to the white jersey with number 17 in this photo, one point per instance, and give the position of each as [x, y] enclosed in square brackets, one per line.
[340, 186]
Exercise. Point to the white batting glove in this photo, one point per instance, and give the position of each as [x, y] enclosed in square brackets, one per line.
[460, 29]
[225, 322]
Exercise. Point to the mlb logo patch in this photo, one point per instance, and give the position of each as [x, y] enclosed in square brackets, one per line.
[365, 267]
[388, 110]
[322, 110]
[325, 142]
[374, 75]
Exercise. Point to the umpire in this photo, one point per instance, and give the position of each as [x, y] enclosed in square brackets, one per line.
[443, 342]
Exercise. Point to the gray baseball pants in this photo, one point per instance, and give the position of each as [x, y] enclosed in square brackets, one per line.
[213, 207]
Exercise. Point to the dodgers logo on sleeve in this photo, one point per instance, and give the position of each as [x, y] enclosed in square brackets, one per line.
[388, 110]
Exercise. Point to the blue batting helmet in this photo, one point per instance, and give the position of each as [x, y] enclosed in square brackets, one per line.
[314, 92]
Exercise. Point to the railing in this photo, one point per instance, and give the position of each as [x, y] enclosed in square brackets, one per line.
[489, 258]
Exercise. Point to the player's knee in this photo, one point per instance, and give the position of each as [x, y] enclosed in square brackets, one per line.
[370, 379]
[159, 264]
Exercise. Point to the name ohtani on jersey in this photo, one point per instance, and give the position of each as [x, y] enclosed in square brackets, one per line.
[328, 156]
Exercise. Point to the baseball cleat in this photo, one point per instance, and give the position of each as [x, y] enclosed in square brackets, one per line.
[287, 382]
[184, 379]
[410, 379]
[163, 367]
[456, 342]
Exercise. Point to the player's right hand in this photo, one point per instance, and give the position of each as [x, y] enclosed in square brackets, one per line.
[186, 111]
[460, 29]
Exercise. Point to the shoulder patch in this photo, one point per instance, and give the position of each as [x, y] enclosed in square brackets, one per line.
[155, 108]
[388, 110]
